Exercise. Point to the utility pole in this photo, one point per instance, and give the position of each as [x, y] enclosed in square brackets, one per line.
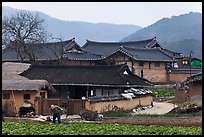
[190, 61]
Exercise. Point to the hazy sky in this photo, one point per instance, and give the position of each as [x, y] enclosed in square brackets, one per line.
[136, 13]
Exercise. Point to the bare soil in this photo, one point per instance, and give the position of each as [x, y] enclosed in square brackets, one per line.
[173, 121]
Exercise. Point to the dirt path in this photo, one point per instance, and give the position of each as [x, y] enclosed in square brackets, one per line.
[158, 108]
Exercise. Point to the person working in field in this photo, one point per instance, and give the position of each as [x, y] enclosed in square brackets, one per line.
[56, 110]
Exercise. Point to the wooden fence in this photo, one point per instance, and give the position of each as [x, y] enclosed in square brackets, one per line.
[71, 106]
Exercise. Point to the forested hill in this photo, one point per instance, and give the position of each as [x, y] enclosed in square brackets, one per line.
[181, 33]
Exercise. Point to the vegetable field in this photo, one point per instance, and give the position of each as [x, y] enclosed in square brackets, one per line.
[28, 128]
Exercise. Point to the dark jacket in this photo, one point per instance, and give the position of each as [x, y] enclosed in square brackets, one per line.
[56, 109]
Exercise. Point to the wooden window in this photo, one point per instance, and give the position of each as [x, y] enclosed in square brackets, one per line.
[111, 92]
[142, 73]
[6, 96]
[157, 64]
[105, 92]
[149, 65]
[141, 63]
[26, 96]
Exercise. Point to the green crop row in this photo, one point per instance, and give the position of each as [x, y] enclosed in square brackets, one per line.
[27, 128]
[163, 93]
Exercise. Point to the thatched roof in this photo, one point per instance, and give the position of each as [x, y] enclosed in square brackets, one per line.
[26, 85]
[10, 70]
[15, 67]
[11, 76]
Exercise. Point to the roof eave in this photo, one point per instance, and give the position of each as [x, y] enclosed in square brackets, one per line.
[100, 85]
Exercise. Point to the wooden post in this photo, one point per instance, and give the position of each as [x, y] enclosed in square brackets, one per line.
[190, 62]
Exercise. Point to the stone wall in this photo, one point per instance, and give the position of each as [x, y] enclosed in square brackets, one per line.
[120, 104]
[178, 77]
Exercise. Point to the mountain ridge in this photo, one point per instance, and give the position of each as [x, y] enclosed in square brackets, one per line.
[176, 30]
[80, 30]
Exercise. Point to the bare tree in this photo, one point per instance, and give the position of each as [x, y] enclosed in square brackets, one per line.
[21, 31]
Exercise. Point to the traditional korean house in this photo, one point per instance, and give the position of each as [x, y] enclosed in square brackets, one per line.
[40, 53]
[82, 82]
[17, 93]
[144, 58]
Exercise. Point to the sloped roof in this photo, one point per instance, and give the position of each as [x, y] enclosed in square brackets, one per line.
[11, 80]
[172, 54]
[194, 78]
[139, 50]
[106, 48]
[154, 54]
[11, 70]
[43, 51]
[81, 55]
[186, 70]
[144, 50]
[114, 75]
[184, 85]
[26, 85]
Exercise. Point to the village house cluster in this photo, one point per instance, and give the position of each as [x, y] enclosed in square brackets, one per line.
[93, 76]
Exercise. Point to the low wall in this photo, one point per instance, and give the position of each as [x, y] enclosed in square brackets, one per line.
[16, 100]
[178, 77]
[126, 105]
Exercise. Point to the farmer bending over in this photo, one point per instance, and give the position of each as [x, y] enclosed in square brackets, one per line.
[56, 110]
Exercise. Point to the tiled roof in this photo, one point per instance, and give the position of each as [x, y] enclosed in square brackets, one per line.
[43, 51]
[106, 48]
[86, 75]
[154, 54]
[194, 78]
[81, 55]
[186, 70]
[172, 54]
[184, 85]
[145, 50]
[112, 98]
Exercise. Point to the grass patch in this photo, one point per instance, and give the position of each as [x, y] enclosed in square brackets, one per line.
[164, 93]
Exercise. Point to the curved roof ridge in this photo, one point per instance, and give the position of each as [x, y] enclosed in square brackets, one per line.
[141, 49]
[120, 42]
[61, 65]
[64, 41]
[116, 42]
[166, 54]
[91, 53]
